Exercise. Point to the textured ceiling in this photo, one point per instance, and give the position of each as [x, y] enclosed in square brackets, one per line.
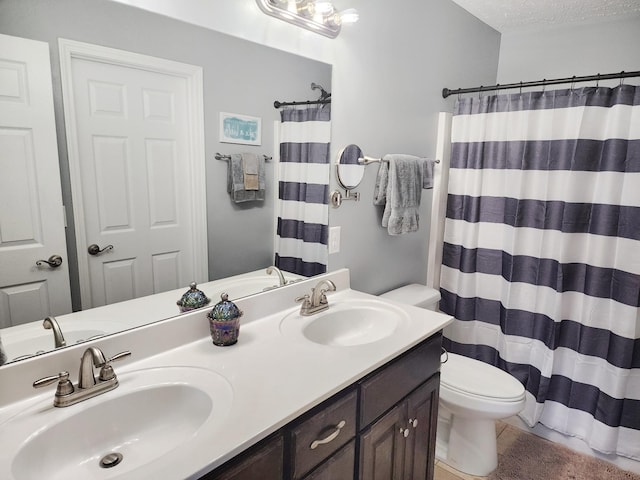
[512, 15]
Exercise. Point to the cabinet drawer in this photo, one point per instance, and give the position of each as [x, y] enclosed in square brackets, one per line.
[326, 431]
[263, 461]
[383, 389]
[340, 465]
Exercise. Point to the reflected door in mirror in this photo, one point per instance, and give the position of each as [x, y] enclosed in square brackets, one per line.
[133, 134]
[31, 210]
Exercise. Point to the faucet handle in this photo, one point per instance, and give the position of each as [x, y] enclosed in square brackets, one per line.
[323, 296]
[65, 387]
[106, 372]
[305, 299]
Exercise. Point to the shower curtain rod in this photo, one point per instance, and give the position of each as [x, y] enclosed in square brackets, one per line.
[278, 104]
[588, 78]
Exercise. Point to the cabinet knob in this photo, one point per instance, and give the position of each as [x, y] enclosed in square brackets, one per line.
[404, 432]
[413, 422]
[329, 438]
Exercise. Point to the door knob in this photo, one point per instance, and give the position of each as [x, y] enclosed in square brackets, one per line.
[54, 261]
[96, 250]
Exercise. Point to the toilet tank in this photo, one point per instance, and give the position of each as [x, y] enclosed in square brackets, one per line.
[415, 294]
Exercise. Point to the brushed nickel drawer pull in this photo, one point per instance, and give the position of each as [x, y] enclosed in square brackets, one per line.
[329, 438]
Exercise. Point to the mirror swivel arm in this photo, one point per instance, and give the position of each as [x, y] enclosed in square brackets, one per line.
[337, 198]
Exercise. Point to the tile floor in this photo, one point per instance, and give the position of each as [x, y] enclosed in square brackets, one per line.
[505, 437]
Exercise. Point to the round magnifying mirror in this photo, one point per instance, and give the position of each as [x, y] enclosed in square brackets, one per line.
[350, 171]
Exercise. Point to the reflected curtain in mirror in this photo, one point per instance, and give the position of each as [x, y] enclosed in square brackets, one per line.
[303, 191]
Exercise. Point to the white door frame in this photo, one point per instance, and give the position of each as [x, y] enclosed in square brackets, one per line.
[69, 50]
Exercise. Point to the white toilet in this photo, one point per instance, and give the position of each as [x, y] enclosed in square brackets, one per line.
[473, 395]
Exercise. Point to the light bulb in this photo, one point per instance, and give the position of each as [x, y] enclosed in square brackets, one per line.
[350, 15]
[324, 8]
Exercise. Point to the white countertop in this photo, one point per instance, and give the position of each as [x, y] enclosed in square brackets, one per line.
[274, 376]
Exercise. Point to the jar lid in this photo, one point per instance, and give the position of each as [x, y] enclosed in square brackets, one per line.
[225, 310]
[193, 298]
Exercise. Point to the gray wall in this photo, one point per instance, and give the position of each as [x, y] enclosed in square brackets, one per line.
[389, 70]
[239, 77]
[586, 49]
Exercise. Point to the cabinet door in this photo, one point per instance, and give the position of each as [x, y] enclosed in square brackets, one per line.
[422, 415]
[382, 450]
[264, 463]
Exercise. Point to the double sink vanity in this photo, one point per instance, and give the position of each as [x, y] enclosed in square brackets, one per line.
[350, 391]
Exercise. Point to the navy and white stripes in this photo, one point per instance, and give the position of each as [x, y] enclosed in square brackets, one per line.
[303, 218]
[541, 258]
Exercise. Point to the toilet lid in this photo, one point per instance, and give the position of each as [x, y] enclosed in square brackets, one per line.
[473, 377]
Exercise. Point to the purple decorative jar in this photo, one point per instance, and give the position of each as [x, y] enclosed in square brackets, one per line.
[224, 322]
[193, 299]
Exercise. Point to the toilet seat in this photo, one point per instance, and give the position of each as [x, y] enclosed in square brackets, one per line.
[473, 378]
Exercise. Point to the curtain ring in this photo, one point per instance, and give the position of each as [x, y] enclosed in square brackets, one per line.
[521, 87]
[597, 81]
[621, 78]
[544, 85]
[480, 93]
[573, 81]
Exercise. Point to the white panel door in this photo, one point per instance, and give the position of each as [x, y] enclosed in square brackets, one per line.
[134, 140]
[31, 210]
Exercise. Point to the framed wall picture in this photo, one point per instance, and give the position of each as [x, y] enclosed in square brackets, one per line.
[243, 129]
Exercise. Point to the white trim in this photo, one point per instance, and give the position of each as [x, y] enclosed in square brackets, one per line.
[193, 76]
[439, 202]
[276, 183]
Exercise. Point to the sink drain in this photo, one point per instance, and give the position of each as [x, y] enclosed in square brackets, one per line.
[110, 460]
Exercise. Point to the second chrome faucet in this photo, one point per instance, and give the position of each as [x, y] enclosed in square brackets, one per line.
[317, 301]
[88, 385]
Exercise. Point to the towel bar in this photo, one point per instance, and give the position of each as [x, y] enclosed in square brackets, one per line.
[219, 156]
[367, 160]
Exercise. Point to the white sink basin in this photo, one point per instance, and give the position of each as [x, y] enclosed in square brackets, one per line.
[346, 323]
[151, 416]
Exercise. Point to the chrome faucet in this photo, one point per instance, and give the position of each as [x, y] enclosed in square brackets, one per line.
[281, 278]
[88, 386]
[50, 323]
[92, 357]
[317, 302]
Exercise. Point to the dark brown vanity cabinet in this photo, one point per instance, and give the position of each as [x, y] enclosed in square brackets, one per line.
[381, 428]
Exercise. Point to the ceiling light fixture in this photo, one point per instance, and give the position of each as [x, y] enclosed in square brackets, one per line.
[315, 15]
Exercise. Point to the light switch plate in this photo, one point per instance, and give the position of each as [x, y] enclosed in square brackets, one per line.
[334, 239]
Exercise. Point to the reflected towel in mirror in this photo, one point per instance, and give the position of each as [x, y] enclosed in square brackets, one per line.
[236, 180]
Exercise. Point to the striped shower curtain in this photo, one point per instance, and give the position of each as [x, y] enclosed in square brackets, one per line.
[303, 195]
[541, 258]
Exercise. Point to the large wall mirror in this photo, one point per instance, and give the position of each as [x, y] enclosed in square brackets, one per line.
[238, 77]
